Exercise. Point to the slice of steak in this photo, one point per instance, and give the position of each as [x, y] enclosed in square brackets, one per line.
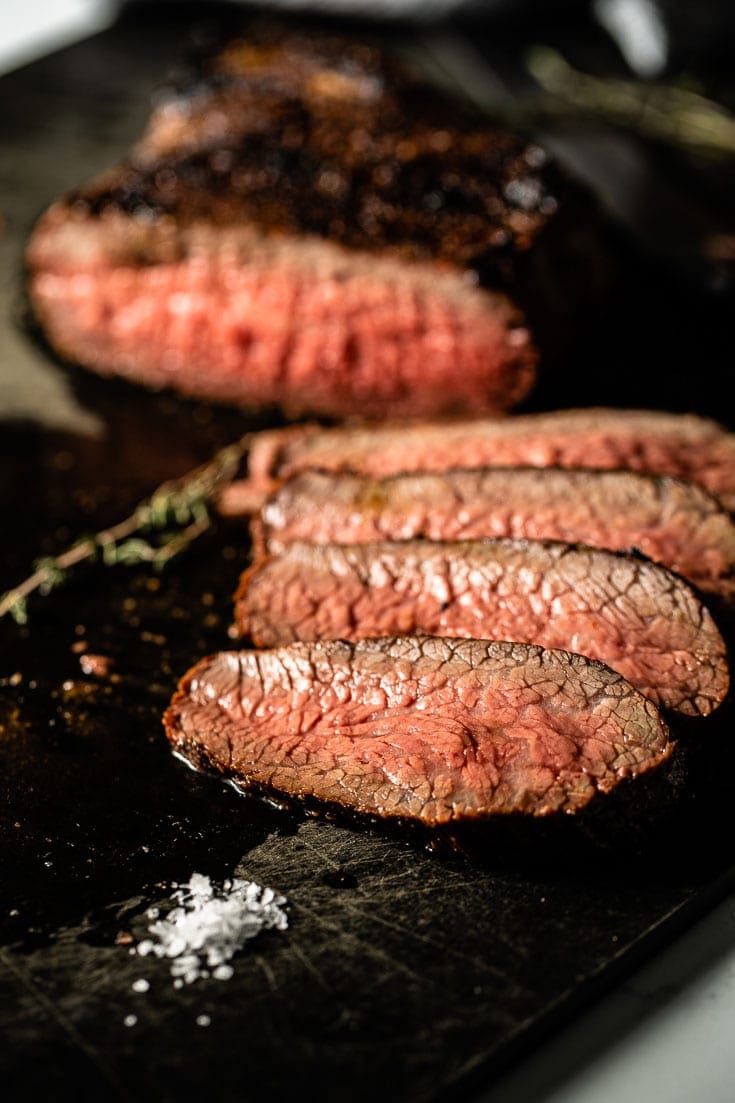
[634, 615]
[649, 441]
[670, 521]
[313, 228]
[424, 729]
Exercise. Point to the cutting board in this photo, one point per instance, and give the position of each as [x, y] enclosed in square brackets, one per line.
[404, 974]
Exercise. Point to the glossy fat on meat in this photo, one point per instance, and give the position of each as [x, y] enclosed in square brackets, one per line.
[670, 521]
[649, 441]
[434, 730]
[632, 614]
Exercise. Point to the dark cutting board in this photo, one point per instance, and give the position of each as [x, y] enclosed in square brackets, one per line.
[403, 974]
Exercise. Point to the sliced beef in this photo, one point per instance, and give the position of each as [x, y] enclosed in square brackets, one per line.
[311, 227]
[631, 614]
[649, 441]
[424, 729]
[670, 521]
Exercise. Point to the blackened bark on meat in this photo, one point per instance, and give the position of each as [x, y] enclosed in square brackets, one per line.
[316, 229]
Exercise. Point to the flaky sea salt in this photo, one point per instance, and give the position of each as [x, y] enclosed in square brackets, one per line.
[209, 925]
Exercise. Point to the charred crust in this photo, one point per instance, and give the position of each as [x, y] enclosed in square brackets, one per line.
[241, 623]
[401, 167]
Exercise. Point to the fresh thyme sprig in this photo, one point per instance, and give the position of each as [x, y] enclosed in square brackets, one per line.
[665, 112]
[159, 528]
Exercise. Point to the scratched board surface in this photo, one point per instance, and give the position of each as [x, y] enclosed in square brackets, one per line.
[403, 974]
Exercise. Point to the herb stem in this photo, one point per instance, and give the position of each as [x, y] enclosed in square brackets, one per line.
[665, 112]
[178, 511]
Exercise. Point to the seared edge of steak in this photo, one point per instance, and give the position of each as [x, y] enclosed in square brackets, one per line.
[331, 137]
[632, 614]
[425, 729]
[302, 155]
[669, 520]
[648, 441]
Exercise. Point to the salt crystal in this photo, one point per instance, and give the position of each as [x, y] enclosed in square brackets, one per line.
[141, 985]
[203, 1020]
[208, 926]
[130, 1020]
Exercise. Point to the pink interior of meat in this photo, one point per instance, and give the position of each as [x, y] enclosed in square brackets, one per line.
[671, 522]
[710, 462]
[269, 332]
[435, 737]
[652, 443]
[628, 613]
